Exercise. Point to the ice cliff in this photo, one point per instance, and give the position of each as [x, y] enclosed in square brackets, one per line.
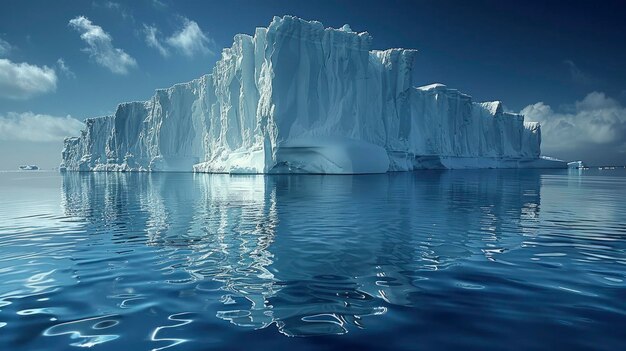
[298, 97]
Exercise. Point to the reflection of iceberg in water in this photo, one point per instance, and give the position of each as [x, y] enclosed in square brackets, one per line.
[347, 246]
[210, 231]
[239, 219]
[313, 254]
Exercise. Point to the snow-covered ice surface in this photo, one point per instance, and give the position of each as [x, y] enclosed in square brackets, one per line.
[298, 97]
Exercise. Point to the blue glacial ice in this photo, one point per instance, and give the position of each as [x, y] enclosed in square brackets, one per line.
[299, 98]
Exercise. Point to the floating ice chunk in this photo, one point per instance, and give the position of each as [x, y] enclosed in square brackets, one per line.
[576, 164]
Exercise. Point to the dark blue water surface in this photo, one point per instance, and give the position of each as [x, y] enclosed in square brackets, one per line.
[492, 259]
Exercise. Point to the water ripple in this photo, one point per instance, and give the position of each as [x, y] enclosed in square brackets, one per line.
[84, 330]
[118, 261]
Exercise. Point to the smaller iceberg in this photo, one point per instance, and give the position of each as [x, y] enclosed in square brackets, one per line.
[29, 168]
[576, 165]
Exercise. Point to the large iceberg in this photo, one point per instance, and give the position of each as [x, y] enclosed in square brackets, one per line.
[300, 98]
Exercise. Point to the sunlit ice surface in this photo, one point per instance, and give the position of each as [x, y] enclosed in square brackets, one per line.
[484, 259]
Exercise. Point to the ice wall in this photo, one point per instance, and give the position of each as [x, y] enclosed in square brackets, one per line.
[298, 97]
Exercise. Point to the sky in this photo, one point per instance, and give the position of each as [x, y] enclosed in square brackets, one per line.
[563, 66]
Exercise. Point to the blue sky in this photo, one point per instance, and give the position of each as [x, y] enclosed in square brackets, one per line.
[563, 65]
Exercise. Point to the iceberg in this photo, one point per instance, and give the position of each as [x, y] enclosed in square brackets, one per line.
[297, 97]
[576, 165]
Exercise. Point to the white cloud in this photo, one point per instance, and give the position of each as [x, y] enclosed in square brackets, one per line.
[596, 124]
[159, 4]
[117, 7]
[33, 127]
[100, 46]
[65, 69]
[5, 48]
[578, 76]
[23, 80]
[153, 41]
[190, 39]
[112, 5]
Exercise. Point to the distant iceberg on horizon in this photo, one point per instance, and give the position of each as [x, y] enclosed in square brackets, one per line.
[300, 98]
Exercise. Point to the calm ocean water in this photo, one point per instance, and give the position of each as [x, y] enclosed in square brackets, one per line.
[490, 259]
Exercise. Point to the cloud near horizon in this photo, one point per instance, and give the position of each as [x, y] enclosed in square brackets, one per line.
[594, 128]
[32, 127]
[20, 81]
[189, 40]
[100, 46]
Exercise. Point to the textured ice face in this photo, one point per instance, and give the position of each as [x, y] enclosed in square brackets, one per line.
[298, 97]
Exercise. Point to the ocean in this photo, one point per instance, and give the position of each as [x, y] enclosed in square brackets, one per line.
[457, 259]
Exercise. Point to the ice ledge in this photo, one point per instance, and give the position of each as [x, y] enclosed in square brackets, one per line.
[400, 162]
[434, 86]
[494, 107]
